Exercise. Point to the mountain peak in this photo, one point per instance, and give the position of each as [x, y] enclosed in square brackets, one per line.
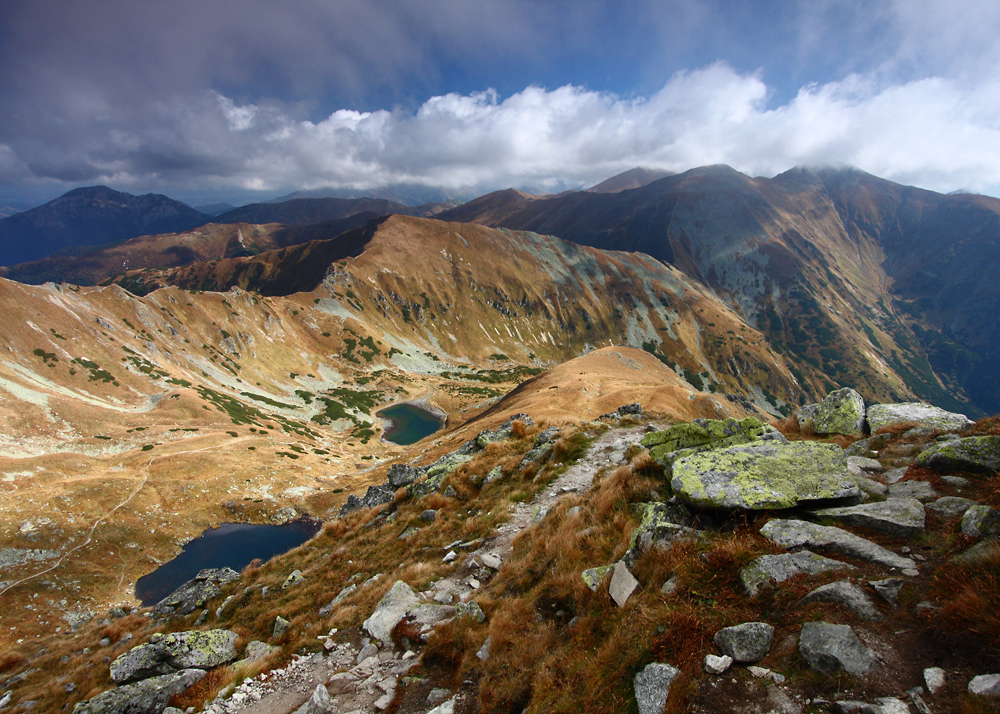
[633, 178]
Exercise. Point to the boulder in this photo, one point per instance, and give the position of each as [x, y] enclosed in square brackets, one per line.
[764, 476]
[652, 686]
[392, 608]
[847, 594]
[660, 524]
[840, 412]
[164, 654]
[543, 444]
[985, 685]
[770, 569]
[354, 503]
[981, 522]
[887, 415]
[150, 696]
[402, 475]
[951, 506]
[974, 453]
[681, 440]
[802, 534]
[834, 649]
[377, 495]
[902, 517]
[281, 626]
[193, 594]
[749, 642]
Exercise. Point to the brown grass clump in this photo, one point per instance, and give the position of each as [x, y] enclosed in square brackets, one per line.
[969, 594]
[897, 429]
[518, 429]
[11, 660]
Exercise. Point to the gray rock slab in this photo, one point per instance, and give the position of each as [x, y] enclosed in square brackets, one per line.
[318, 703]
[432, 614]
[888, 588]
[834, 649]
[974, 453]
[193, 594]
[981, 521]
[793, 534]
[149, 696]
[764, 475]
[623, 584]
[392, 608]
[865, 464]
[771, 569]
[846, 594]
[748, 642]
[951, 506]
[652, 687]
[871, 487]
[923, 491]
[177, 651]
[985, 685]
[884, 415]
[895, 475]
[902, 517]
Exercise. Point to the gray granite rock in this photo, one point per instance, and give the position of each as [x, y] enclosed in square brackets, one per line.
[392, 608]
[902, 517]
[840, 412]
[715, 664]
[195, 593]
[846, 594]
[835, 649]
[623, 584]
[749, 642]
[888, 588]
[926, 415]
[802, 534]
[951, 506]
[164, 654]
[770, 569]
[974, 453]
[985, 685]
[149, 696]
[923, 491]
[981, 521]
[318, 703]
[652, 687]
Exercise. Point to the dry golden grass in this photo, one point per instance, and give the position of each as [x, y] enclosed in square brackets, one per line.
[969, 594]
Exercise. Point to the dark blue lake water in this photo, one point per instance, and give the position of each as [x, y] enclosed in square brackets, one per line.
[231, 545]
[410, 424]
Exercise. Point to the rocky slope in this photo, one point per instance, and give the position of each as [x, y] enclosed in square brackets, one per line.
[850, 275]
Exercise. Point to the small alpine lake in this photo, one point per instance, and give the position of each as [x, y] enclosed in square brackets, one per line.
[231, 545]
[409, 423]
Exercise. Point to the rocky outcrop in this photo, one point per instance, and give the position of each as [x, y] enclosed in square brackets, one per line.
[763, 476]
[881, 416]
[840, 412]
[392, 608]
[973, 453]
[193, 594]
[164, 654]
[802, 534]
[660, 524]
[835, 649]
[150, 696]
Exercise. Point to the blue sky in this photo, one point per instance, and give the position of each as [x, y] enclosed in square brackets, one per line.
[217, 99]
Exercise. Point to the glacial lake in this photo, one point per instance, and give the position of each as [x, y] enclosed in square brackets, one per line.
[231, 545]
[410, 424]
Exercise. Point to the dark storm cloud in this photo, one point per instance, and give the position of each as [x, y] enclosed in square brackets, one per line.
[263, 95]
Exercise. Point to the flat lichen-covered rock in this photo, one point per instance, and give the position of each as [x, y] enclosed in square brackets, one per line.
[150, 696]
[896, 516]
[973, 453]
[764, 476]
[883, 415]
[681, 440]
[771, 569]
[164, 654]
[840, 412]
[802, 534]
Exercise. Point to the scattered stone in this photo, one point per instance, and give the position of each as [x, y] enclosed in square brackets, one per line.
[799, 534]
[934, 679]
[294, 578]
[369, 650]
[318, 703]
[449, 557]
[871, 487]
[833, 649]
[951, 506]
[985, 685]
[402, 475]
[892, 705]
[660, 524]
[771, 569]
[780, 703]
[762, 672]
[437, 695]
[149, 696]
[956, 481]
[847, 594]
[623, 584]
[257, 651]
[470, 610]
[923, 491]
[902, 517]
[973, 453]
[840, 412]
[483, 653]
[981, 521]
[392, 608]
[193, 594]
[748, 642]
[652, 687]
[863, 463]
[868, 447]
[715, 664]
[491, 561]
[593, 576]
[670, 586]
[763, 476]
[429, 516]
[895, 475]
[886, 415]
[280, 627]
[447, 707]
[444, 597]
